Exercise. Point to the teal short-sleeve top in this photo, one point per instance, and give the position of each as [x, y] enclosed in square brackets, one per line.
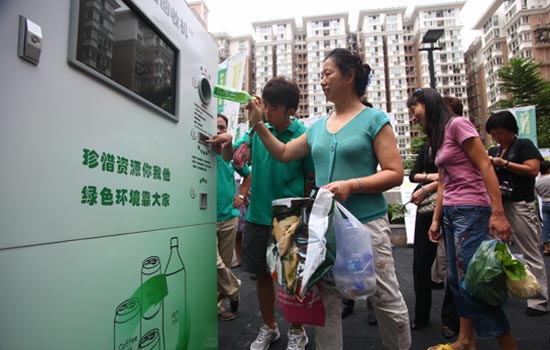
[349, 153]
[226, 188]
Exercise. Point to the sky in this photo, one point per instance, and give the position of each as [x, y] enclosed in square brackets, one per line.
[235, 16]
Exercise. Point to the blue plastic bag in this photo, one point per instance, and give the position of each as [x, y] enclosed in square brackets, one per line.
[353, 268]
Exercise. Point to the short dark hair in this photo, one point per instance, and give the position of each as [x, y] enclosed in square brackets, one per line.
[504, 119]
[454, 105]
[347, 62]
[281, 91]
[545, 167]
[224, 118]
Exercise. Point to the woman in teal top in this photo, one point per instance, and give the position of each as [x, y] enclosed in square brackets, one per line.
[349, 153]
[347, 148]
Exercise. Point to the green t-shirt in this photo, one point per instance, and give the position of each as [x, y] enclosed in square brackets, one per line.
[347, 154]
[272, 179]
[226, 189]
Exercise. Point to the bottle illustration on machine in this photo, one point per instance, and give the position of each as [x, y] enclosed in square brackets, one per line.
[176, 313]
[156, 316]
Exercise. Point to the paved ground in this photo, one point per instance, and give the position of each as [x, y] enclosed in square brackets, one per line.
[532, 333]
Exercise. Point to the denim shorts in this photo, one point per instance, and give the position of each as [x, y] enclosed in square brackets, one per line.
[465, 228]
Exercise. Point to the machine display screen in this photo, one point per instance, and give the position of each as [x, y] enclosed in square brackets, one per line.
[116, 41]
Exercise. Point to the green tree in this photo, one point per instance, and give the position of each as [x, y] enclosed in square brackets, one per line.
[417, 142]
[523, 81]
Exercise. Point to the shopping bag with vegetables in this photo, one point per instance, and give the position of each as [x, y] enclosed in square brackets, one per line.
[521, 282]
[485, 278]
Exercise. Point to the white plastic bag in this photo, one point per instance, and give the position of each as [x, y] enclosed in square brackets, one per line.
[526, 286]
[353, 268]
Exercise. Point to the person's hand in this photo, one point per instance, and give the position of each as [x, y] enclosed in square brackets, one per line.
[340, 189]
[498, 161]
[500, 227]
[256, 110]
[220, 141]
[434, 233]
[417, 197]
[237, 201]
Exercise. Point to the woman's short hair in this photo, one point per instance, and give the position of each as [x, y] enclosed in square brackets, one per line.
[504, 119]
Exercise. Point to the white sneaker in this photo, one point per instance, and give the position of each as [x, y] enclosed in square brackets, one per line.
[297, 339]
[265, 338]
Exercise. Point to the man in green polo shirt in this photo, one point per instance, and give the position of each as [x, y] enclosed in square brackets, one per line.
[227, 214]
[271, 180]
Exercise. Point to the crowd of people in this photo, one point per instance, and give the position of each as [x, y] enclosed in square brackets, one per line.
[353, 153]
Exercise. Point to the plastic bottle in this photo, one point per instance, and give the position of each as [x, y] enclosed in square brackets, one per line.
[354, 266]
[230, 94]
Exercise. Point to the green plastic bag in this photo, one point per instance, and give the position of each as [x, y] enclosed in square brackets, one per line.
[488, 270]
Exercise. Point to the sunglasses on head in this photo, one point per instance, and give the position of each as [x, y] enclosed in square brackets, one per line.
[418, 92]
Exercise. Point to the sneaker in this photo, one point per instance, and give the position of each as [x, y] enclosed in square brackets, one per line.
[265, 338]
[297, 339]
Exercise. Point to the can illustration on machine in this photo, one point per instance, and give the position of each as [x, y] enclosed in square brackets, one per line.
[154, 317]
[126, 332]
[150, 341]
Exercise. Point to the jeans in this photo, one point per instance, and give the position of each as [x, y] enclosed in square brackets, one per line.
[465, 228]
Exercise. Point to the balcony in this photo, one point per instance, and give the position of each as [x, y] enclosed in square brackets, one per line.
[542, 35]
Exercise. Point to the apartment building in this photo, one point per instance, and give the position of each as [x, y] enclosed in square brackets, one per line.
[474, 61]
[392, 42]
[526, 29]
[323, 34]
[300, 73]
[510, 29]
[382, 34]
[493, 52]
[448, 59]
[274, 49]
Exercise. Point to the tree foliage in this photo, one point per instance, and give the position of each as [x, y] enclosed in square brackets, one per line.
[523, 81]
[417, 142]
